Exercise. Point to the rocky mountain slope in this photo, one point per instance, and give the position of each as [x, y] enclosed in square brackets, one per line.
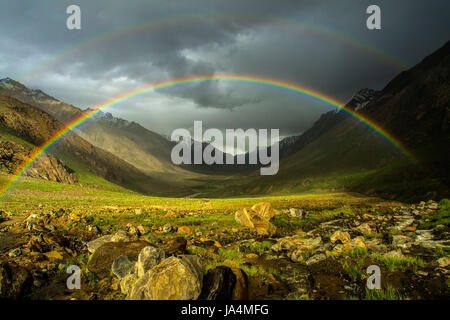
[24, 127]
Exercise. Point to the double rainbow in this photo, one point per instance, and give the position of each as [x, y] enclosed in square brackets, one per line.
[273, 83]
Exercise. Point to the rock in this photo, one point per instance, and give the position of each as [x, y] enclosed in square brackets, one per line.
[15, 253]
[122, 266]
[218, 284]
[316, 258]
[342, 237]
[93, 229]
[355, 243]
[284, 244]
[443, 262]
[172, 246]
[264, 210]
[148, 258]
[185, 229]
[240, 291]
[120, 236]
[401, 241]
[133, 231]
[296, 213]
[175, 278]
[54, 256]
[143, 229]
[251, 256]
[97, 243]
[127, 282]
[14, 281]
[138, 211]
[252, 220]
[102, 259]
[404, 222]
[167, 228]
[172, 214]
[75, 216]
[365, 229]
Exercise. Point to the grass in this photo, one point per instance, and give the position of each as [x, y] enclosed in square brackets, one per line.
[389, 293]
[400, 263]
[353, 269]
[258, 247]
[438, 217]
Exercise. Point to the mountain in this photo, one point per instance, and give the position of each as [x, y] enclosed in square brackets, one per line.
[24, 127]
[339, 152]
[129, 141]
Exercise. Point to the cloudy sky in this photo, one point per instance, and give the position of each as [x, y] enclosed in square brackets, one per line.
[319, 44]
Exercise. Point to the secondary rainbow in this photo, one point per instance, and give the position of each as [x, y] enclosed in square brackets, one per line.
[294, 88]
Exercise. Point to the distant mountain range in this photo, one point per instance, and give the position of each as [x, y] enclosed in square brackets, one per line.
[338, 151]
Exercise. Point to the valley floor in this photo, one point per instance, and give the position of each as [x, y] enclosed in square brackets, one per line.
[320, 247]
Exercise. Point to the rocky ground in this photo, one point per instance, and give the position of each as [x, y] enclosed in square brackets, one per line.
[304, 252]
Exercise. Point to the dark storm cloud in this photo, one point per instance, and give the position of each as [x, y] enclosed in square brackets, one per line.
[332, 54]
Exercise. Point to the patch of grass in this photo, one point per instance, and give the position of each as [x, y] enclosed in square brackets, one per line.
[438, 217]
[356, 253]
[400, 263]
[389, 293]
[354, 270]
[258, 247]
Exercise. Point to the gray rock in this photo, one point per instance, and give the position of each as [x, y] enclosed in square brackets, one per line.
[15, 253]
[148, 258]
[122, 266]
[316, 258]
[97, 243]
[296, 213]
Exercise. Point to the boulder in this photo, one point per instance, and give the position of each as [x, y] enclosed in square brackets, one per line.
[218, 284]
[255, 222]
[148, 258]
[316, 258]
[264, 210]
[127, 282]
[175, 278]
[170, 246]
[97, 243]
[340, 237]
[240, 291]
[296, 213]
[365, 229]
[103, 258]
[122, 266]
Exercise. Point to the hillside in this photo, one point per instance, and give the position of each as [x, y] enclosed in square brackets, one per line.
[25, 127]
[339, 152]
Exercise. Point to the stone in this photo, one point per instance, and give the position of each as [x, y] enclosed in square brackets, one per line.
[240, 291]
[173, 246]
[296, 213]
[175, 278]
[264, 210]
[185, 229]
[120, 236]
[340, 236]
[54, 256]
[284, 244]
[148, 258]
[15, 253]
[255, 222]
[14, 281]
[143, 229]
[75, 216]
[127, 282]
[365, 229]
[355, 243]
[401, 241]
[316, 258]
[443, 262]
[218, 284]
[97, 243]
[167, 228]
[122, 266]
[103, 258]
[172, 214]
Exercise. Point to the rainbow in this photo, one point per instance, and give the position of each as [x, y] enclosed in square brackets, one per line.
[322, 31]
[273, 83]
